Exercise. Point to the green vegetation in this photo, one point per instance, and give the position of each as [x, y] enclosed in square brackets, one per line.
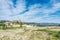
[19, 22]
[52, 35]
[3, 26]
[9, 25]
[23, 31]
[39, 34]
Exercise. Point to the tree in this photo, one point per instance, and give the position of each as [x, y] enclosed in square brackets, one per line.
[20, 23]
[3, 26]
[59, 25]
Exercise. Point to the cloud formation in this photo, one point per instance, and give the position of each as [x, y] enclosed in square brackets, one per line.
[30, 10]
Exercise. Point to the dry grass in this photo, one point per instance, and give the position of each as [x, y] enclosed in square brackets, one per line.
[37, 33]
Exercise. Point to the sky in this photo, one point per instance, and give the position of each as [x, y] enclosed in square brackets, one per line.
[40, 11]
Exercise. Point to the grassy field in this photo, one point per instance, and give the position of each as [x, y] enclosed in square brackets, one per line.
[33, 33]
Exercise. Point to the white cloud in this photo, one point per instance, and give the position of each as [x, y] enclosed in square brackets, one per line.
[7, 9]
[4, 8]
[34, 9]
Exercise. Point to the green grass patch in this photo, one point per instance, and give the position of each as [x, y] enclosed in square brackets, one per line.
[55, 34]
[13, 27]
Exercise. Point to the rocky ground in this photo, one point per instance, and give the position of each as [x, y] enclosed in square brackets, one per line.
[33, 33]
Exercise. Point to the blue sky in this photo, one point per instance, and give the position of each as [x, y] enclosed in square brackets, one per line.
[47, 11]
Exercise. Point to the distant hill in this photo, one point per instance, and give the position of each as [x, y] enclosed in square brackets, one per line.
[3, 21]
[44, 24]
[37, 24]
